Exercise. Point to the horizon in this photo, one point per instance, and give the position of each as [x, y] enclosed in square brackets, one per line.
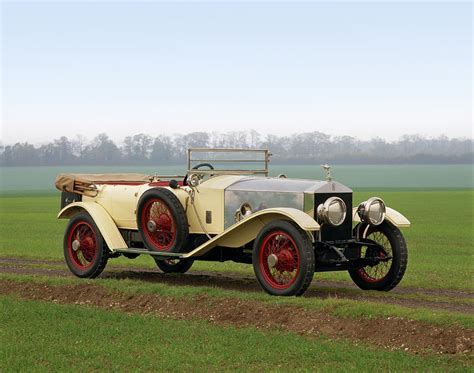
[359, 69]
[142, 149]
[120, 141]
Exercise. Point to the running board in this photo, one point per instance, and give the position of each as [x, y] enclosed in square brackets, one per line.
[149, 252]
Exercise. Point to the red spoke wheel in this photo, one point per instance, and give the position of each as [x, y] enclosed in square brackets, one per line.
[283, 258]
[386, 274]
[159, 224]
[162, 221]
[279, 259]
[84, 249]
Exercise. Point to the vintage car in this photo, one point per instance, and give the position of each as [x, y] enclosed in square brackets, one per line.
[286, 228]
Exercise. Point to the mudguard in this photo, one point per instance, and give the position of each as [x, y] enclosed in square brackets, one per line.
[391, 215]
[248, 228]
[102, 219]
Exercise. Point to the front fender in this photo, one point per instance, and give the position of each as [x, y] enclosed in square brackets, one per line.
[102, 219]
[391, 215]
[248, 228]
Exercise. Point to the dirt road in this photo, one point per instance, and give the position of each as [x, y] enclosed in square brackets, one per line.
[408, 297]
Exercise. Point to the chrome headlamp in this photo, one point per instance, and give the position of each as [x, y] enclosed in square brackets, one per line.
[193, 180]
[372, 211]
[332, 211]
[243, 211]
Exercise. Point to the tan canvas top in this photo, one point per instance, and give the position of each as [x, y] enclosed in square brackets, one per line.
[85, 183]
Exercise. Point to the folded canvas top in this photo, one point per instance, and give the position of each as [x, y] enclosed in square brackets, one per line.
[86, 183]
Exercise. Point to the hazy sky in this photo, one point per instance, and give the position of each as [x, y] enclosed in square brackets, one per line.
[362, 69]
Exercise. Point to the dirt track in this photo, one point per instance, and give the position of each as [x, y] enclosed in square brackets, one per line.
[241, 282]
[389, 333]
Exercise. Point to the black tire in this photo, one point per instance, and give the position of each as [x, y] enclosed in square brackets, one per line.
[169, 218]
[385, 275]
[294, 253]
[174, 265]
[85, 251]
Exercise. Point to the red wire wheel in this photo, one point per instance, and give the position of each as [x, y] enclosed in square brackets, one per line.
[162, 221]
[82, 245]
[387, 274]
[283, 258]
[84, 249]
[159, 224]
[279, 259]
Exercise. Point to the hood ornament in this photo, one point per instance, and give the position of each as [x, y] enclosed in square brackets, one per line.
[327, 169]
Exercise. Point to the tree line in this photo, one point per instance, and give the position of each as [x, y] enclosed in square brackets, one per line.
[300, 148]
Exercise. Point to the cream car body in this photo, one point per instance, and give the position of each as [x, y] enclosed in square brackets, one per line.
[115, 208]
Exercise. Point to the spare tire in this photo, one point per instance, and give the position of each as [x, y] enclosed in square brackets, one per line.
[162, 221]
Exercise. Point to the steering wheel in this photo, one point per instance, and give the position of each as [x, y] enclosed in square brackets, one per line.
[197, 167]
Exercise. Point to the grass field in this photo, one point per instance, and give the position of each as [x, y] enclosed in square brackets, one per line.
[43, 334]
[130, 342]
[40, 179]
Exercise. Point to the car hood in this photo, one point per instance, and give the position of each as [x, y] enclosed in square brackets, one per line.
[270, 184]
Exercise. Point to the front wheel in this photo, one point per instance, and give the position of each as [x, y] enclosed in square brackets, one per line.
[85, 251]
[283, 258]
[174, 265]
[385, 275]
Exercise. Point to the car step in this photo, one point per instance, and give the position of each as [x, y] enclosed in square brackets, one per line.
[149, 252]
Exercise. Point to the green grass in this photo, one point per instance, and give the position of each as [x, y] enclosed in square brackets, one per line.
[440, 240]
[19, 179]
[86, 339]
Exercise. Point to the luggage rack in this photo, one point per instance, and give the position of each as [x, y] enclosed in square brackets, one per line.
[225, 156]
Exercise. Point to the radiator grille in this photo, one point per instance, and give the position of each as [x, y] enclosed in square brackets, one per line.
[342, 232]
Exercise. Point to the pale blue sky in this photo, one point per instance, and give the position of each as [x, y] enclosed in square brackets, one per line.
[362, 69]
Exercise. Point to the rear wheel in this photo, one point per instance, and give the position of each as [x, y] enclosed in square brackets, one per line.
[174, 265]
[283, 259]
[85, 251]
[387, 274]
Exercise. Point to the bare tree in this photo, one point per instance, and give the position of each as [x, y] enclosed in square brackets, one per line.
[297, 148]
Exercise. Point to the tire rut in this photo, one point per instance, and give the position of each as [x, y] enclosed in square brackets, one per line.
[322, 290]
[25, 262]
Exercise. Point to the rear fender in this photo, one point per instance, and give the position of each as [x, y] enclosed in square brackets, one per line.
[102, 219]
[248, 228]
[391, 215]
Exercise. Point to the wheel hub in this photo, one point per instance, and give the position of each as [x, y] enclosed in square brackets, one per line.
[151, 225]
[285, 261]
[76, 245]
[272, 260]
[164, 222]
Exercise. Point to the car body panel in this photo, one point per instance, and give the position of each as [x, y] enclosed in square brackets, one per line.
[102, 219]
[261, 193]
[248, 228]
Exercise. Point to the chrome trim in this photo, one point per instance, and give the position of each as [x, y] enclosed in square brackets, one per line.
[259, 200]
[327, 169]
[363, 210]
[193, 180]
[323, 211]
[243, 211]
